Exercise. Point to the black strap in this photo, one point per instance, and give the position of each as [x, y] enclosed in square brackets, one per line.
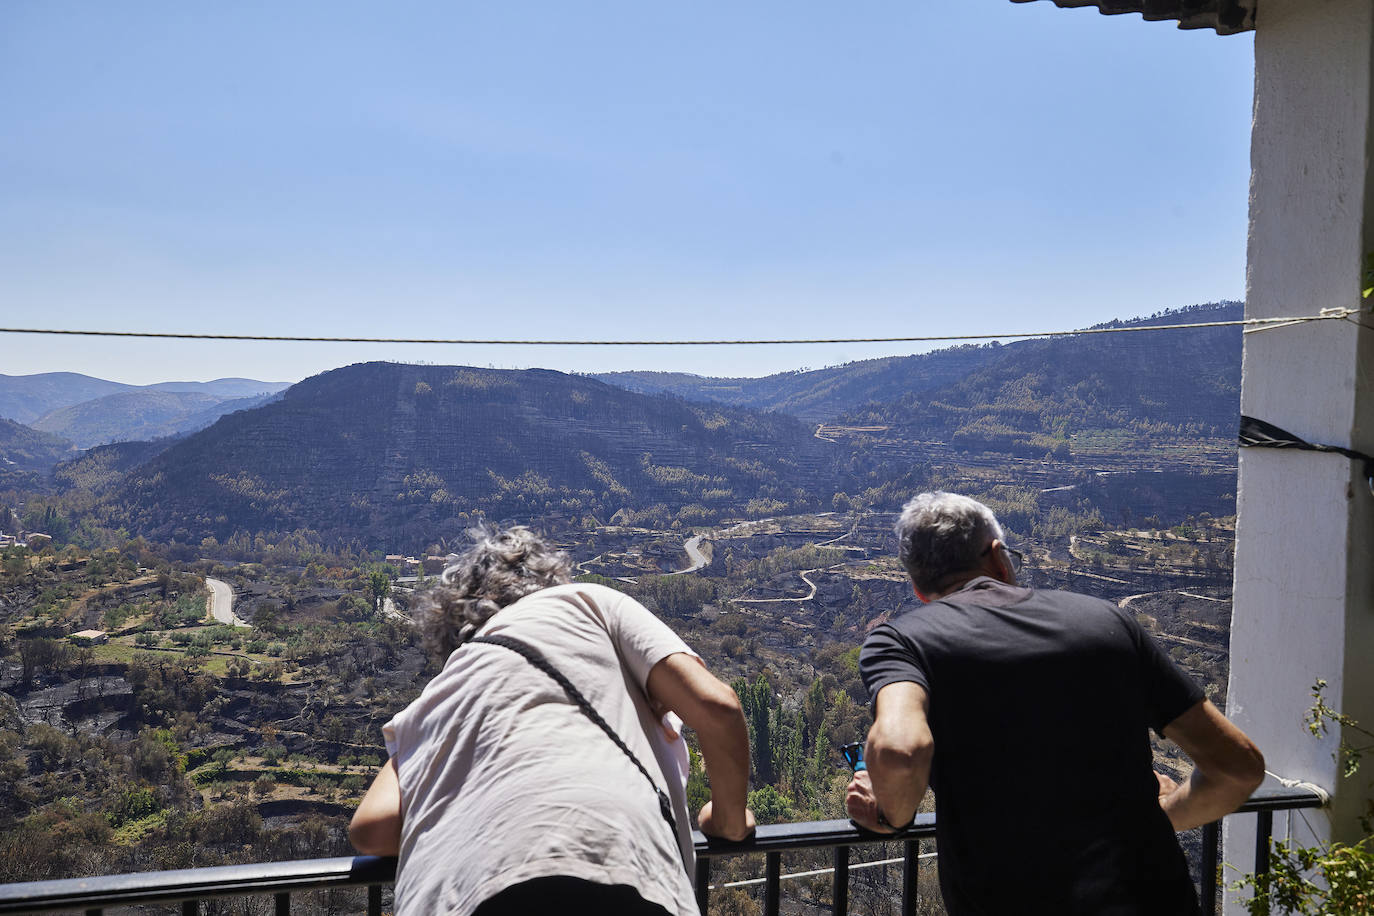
[1262, 434]
[535, 658]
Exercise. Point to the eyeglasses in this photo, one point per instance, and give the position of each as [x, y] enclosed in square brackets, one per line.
[1014, 556]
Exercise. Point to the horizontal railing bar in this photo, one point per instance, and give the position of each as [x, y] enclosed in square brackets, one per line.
[195, 883]
[1281, 800]
[105, 891]
[810, 835]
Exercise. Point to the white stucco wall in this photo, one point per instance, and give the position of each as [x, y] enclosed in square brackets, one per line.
[1304, 600]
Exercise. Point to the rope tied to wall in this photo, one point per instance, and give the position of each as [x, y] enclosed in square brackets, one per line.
[1312, 787]
[1261, 434]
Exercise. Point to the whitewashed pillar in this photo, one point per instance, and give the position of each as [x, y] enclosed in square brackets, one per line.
[1304, 573]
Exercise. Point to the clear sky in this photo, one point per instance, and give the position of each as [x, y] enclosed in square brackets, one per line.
[612, 169]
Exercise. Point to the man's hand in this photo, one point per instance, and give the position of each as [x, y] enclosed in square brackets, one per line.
[1167, 786]
[707, 824]
[862, 804]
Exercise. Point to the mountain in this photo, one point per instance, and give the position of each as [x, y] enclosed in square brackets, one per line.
[402, 454]
[26, 398]
[27, 453]
[407, 453]
[817, 394]
[140, 414]
[224, 387]
[99, 468]
[1037, 394]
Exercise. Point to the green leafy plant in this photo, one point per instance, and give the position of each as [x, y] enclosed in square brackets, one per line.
[1331, 879]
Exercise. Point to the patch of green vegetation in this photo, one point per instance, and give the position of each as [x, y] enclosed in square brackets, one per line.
[131, 833]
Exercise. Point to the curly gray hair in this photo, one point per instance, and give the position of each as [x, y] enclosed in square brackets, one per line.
[503, 566]
[940, 534]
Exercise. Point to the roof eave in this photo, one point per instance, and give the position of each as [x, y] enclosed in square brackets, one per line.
[1225, 17]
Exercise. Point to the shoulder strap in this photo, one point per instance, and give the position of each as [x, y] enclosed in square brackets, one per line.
[535, 658]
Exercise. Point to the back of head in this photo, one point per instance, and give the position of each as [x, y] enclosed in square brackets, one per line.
[501, 567]
[942, 534]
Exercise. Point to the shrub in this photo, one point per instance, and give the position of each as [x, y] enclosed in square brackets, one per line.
[1343, 873]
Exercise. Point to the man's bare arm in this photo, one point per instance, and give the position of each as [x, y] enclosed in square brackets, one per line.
[681, 683]
[898, 754]
[1227, 767]
[376, 826]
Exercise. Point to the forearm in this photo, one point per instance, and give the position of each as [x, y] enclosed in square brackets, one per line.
[1227, 767]
[376, 826]
[1201, 799]
[899, 751]
[900, 776]
[724, 743]
[681, 683]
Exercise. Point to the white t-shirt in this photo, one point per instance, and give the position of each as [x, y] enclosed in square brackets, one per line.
[503, 779]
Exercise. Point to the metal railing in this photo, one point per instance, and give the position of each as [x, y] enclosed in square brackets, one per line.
[280, 880]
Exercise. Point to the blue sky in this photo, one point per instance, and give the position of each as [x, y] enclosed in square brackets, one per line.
[608, 169]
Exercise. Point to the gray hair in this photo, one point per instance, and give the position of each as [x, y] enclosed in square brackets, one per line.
[503, 566]
[940, 534]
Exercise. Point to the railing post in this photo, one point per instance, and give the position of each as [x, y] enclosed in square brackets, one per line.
[190, 908]
[910, 871]
[839, 883]
[281, 904]
[374, 900]
[1264, 829]
[772, 879]
[703, 883]
[1211, 833]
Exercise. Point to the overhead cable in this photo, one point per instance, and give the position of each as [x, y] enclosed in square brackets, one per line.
[1249, 325]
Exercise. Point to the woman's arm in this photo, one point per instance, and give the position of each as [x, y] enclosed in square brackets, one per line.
[681, 683]
[376, 826]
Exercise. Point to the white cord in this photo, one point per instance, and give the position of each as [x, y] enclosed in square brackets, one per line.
[1312, 787]
[822, 871]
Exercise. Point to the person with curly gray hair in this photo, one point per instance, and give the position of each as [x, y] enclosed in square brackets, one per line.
[1028, 712]
[543, 768]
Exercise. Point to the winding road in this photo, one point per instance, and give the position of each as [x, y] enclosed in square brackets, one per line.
[695, 554]
[221, 603]
[807, 597]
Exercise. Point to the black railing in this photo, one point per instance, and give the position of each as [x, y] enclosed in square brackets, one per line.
[280, 880]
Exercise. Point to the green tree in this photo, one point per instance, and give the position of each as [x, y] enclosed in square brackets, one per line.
[758, 701]
[379, 586]
[771, 807]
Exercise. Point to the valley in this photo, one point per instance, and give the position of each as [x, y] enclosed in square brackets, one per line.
[201, 638]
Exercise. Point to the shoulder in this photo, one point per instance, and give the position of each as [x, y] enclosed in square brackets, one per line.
[592, 592]
[1081, 605]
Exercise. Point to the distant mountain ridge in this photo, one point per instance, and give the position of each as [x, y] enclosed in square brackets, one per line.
[25, 398]
[817, 394]
[385, 450]
[820, 395]
[1037, 394]
[140, 415]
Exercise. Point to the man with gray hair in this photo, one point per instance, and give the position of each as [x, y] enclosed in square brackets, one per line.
[1028, 713]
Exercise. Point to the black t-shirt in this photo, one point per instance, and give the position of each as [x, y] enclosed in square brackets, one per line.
[1040, 705]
